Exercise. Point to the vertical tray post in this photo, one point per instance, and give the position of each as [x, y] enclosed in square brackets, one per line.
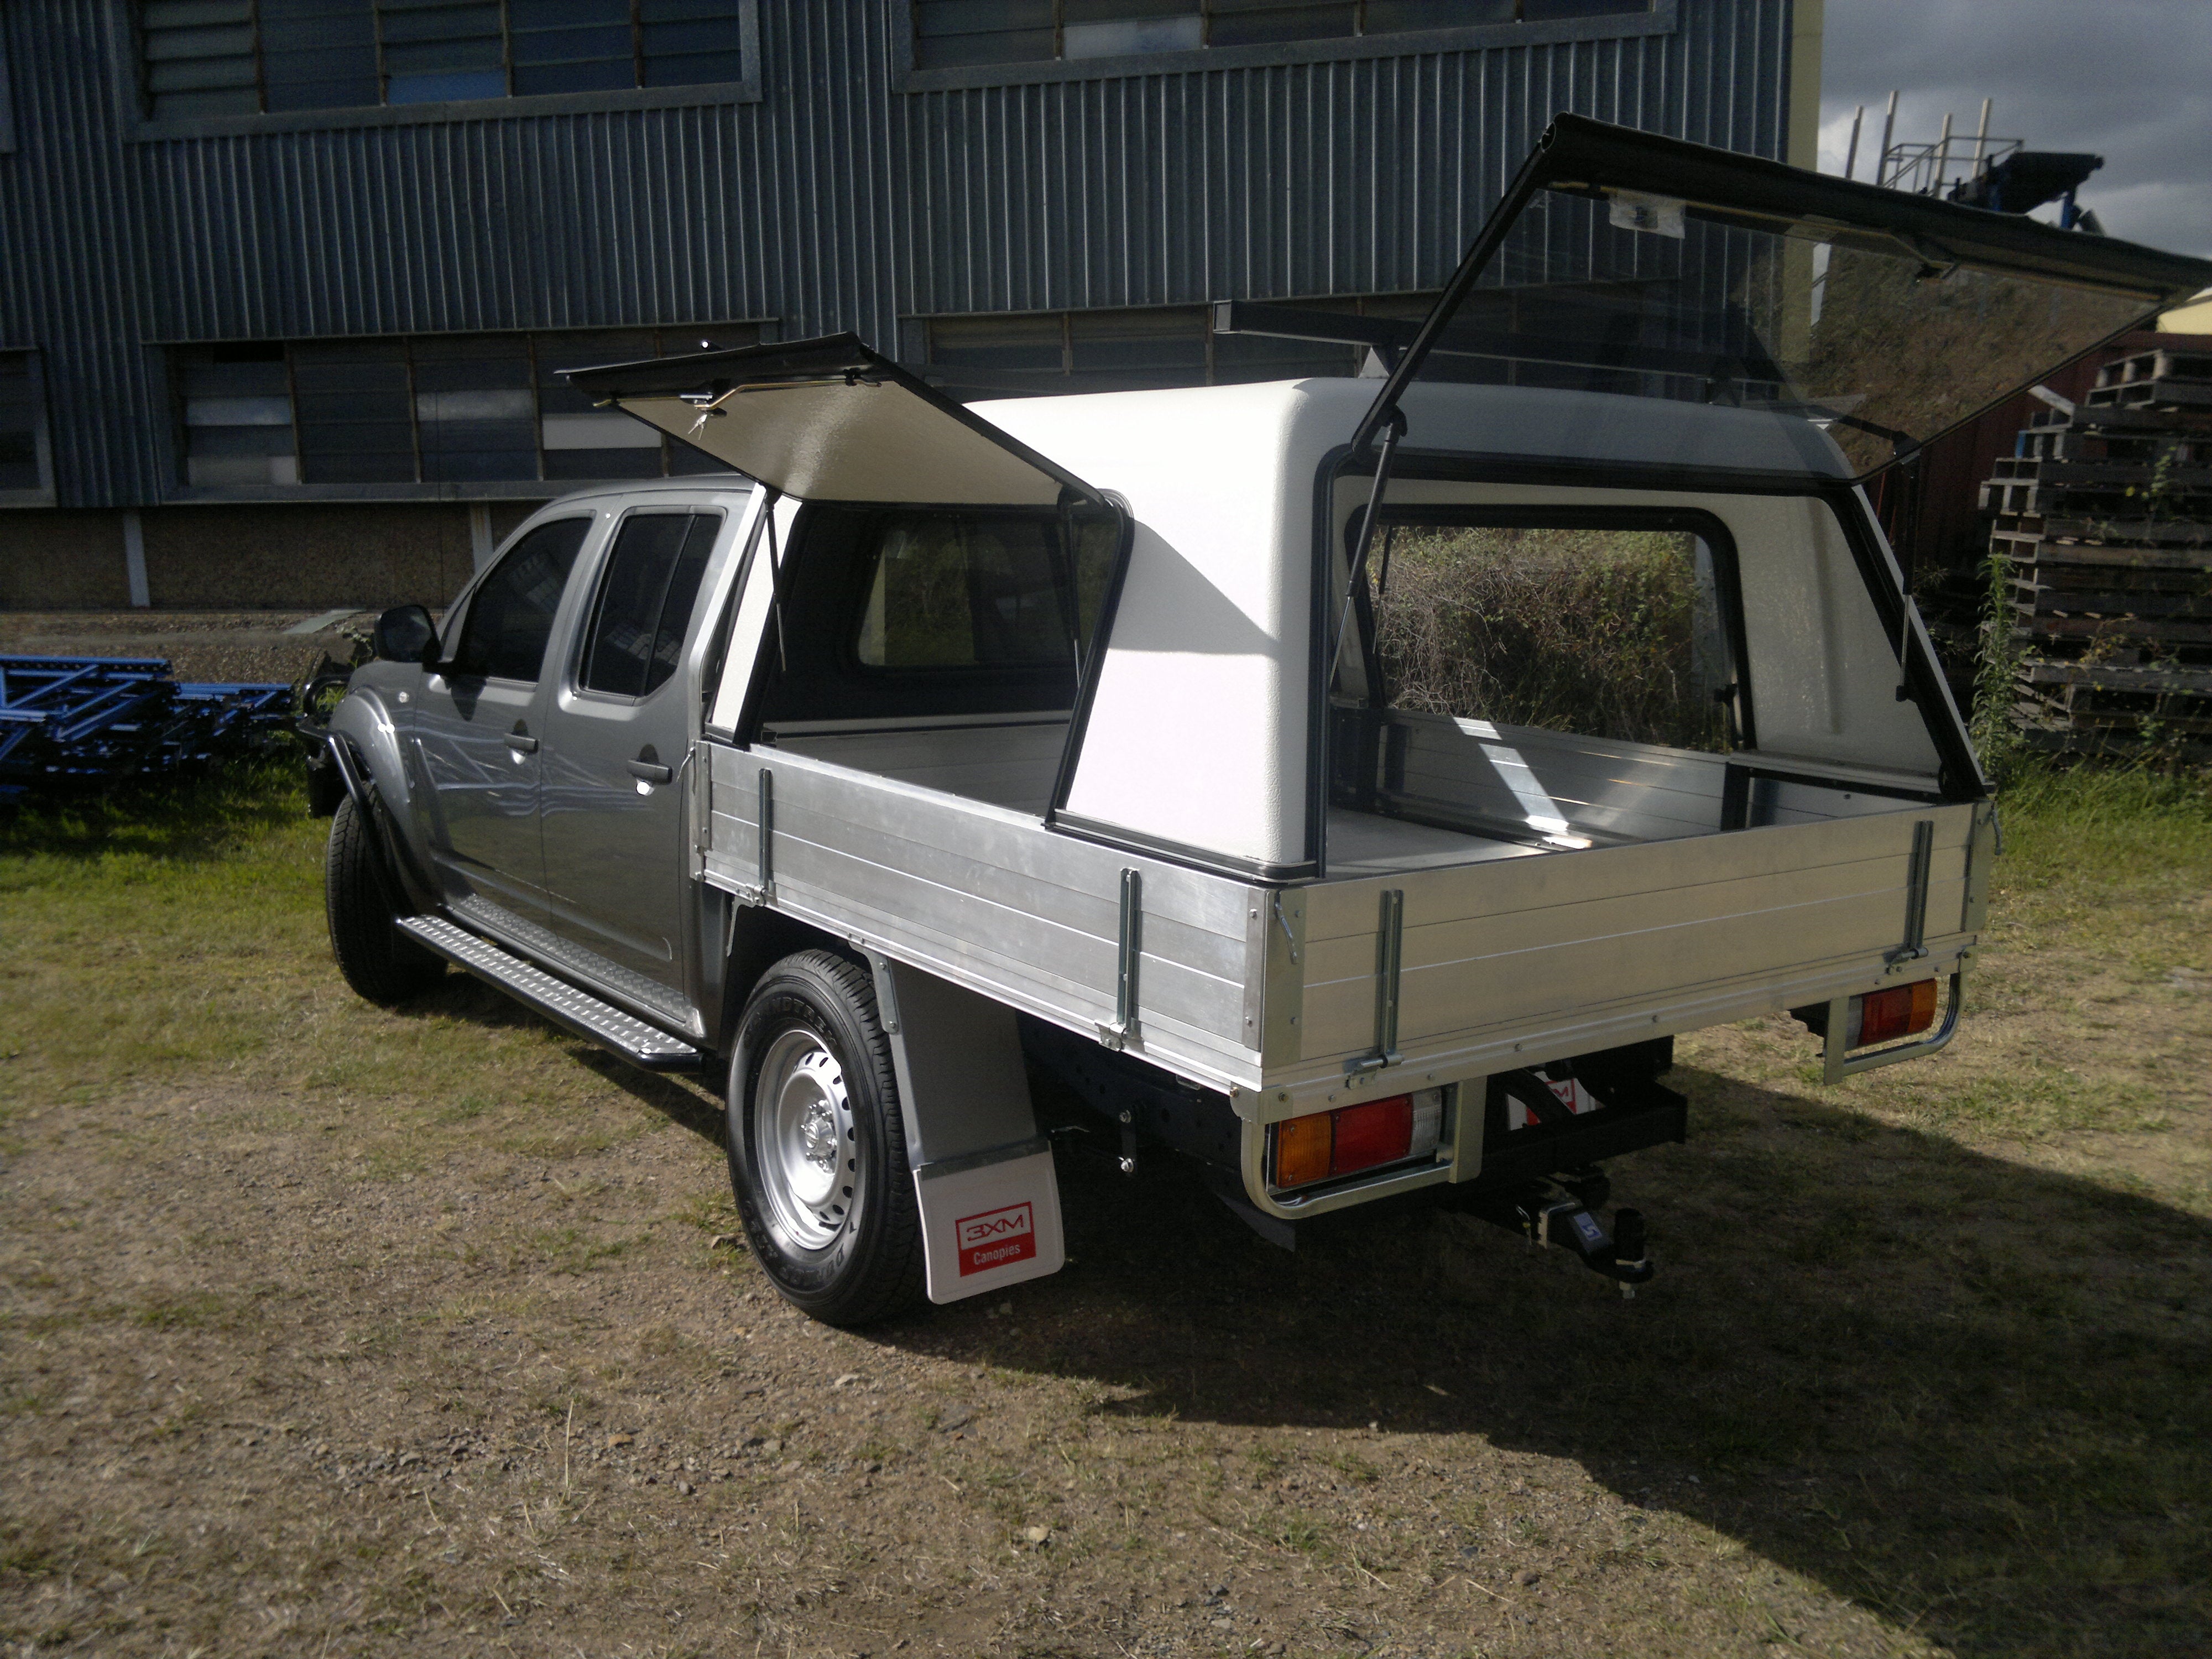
[1389, 959]
[1129, 950]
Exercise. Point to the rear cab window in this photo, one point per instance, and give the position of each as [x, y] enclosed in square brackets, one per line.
[643, 607]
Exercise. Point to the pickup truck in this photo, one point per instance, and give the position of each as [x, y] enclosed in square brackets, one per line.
[1219, 752]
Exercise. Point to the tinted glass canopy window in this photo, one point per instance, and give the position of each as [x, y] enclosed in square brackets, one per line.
[1879, 346]
[954, 32]
[1624, 262]
[644, 600]
[510, 616]
[250, 57]
[1617, 632]
[954, 590]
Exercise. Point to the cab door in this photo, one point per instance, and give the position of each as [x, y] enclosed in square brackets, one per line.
[620, 723]
[477, 724]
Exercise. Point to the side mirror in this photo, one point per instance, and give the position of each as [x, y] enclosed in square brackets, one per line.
[406, 633]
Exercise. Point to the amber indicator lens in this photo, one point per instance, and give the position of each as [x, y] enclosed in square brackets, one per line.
[1302, 1148]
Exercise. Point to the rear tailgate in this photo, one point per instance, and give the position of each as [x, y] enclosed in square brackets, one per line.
[1517, 962]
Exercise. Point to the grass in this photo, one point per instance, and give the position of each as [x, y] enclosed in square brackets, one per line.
[174, 934]
[1923, 1369]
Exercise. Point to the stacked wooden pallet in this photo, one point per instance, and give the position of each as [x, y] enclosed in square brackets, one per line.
[2103, 525]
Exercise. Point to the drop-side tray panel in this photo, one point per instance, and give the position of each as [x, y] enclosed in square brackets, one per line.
[993, 900]
[1541, 945]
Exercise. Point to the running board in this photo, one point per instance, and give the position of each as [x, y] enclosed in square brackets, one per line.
[559, 1001]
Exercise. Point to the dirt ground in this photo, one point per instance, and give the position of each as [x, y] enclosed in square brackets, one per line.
[424, 1332]
[225, 648]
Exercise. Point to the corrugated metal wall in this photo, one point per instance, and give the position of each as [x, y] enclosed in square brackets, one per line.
[74, 266]
[834, 201]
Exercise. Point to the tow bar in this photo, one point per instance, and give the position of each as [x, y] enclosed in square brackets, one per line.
[1565, 1211]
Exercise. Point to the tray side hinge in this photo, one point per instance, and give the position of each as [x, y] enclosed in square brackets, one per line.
[1916, 899]
[1129, 947]
[762, 891]
[1390, 953]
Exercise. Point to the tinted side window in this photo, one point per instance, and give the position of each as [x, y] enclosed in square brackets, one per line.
[512, 615]
[645, 601]
[962, 591]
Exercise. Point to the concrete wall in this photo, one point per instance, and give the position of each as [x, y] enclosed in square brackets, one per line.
[61, 561]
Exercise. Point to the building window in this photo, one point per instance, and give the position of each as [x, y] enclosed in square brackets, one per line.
[958, 34]
[1018, 354]
[27, 472]
[237, 416]
[207, 57]
[485, 408]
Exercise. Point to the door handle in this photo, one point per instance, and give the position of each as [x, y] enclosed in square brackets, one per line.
[646, 772]
[520, 741]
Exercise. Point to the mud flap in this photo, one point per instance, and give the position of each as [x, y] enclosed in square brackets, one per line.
[982, 1175]
[990, 1221]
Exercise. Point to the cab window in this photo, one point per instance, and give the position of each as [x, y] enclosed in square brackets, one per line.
[511, 615]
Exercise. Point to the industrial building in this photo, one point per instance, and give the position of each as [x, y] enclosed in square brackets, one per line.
[286, 285]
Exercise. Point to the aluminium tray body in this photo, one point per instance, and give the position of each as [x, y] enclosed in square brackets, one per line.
[1273, 992]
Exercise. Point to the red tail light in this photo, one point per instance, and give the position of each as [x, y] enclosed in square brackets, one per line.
[1380, 1132]
[1355, 1138]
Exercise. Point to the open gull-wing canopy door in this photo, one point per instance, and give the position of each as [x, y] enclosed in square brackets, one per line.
[829, 420]
[1621, 261]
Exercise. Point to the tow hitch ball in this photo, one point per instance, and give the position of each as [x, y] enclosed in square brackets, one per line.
[1545, 1215]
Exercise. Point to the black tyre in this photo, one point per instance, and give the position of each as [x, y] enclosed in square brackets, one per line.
[378, 961]
[818, 1153]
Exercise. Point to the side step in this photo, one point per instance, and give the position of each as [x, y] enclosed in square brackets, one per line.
[559, 1001]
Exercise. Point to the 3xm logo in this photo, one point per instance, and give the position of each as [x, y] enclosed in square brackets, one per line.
[995, 1238]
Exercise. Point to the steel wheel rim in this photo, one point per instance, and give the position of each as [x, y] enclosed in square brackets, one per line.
[803, 1139]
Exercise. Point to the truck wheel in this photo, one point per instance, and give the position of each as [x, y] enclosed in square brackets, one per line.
[378, 961]
[818, 1154]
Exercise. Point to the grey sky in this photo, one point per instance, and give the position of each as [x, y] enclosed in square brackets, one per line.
[2130, 80]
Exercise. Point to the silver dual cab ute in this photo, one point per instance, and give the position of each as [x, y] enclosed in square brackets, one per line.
[1350, 784]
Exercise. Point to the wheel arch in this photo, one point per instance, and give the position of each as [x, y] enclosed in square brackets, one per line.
[759, 937]
[364, 746]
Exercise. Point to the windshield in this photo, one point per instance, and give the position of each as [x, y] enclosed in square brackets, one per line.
[1624, 263]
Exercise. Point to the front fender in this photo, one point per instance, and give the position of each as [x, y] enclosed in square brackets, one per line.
[365, 744]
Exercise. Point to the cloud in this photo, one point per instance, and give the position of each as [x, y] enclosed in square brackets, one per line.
[2125, 79]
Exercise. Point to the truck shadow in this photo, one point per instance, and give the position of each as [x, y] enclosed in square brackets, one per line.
[1969, 1394]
